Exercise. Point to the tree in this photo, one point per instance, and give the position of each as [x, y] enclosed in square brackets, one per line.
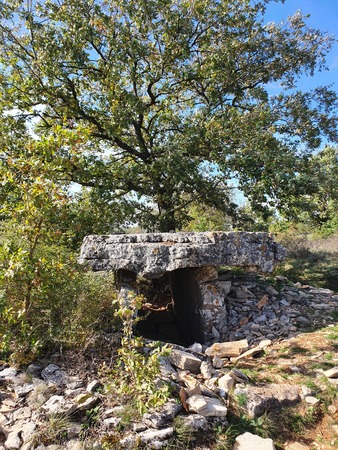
[314, 201]
[169, 98]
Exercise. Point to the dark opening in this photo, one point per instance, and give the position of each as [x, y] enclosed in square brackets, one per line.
[187, 304]
[171, 310]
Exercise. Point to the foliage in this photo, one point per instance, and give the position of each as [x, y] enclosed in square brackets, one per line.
[313, 207]
[155, 105]
[135, 378]
[42, 289]
[207, 218]
[53, 431]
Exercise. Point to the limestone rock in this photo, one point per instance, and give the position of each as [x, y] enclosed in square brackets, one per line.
[310, 400]
[155, 439]
[227, 349]
[151, 255]
[185, 361]
[161, 416]
[226, 382]
[53, 374]
[57, 404]
[13, 441]
[195, 422]
[262, 398]
[94, 386]
[206, 370]
[206, 407]
[111, 422]
[8, 374]
[249, 441]
[331, 373]
[84, 402]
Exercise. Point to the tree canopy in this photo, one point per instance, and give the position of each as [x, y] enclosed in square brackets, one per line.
[155, 104]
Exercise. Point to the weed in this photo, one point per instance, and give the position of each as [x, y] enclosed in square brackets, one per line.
[241, 400]
[322, 365]
[329, 356]
[91, 420]
[298, 422]
[252, 374]
[332, 336]
[135, 378]
[53, 431]
[329, 394]
[312, 385]
[182, 436]
[225, 439]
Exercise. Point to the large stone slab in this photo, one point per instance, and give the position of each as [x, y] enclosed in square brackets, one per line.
[151, 255]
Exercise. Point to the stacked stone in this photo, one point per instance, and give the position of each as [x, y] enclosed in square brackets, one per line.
[257, 310]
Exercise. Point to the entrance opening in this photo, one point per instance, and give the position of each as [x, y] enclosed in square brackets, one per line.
[171, 310]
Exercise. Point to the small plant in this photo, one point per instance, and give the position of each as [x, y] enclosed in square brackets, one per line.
[241, 400]
[329, 394]
[225, 438]
[297, 421]
[136, 375]
[182, 431]
[329, 356]
[41, 394]
[53, 431]
[92, 419]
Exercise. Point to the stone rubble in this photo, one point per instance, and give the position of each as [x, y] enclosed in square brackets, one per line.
[205, 379]
[287, 308]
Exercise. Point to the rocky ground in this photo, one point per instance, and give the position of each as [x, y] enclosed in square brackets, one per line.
[272, 385]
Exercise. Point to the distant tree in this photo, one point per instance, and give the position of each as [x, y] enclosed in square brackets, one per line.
[314, 203]
[161, 102]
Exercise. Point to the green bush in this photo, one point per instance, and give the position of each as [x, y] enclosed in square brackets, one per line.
[47, 300]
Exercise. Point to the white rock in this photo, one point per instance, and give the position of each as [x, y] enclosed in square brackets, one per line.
[8, 374]
[226, 382]
[217, 362]
[227, 349]
[196, 347]
[311, 400]
[195, 422]
[160, 416]
[249, 441]
[151, 436]
[207, 407]
[206, 370]
[57, 404]
[111, 422]
[93, 386]
[13, 441]
[331, 373]
[28, 430]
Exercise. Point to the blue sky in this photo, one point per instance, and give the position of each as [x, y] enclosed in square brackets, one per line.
[323, 16]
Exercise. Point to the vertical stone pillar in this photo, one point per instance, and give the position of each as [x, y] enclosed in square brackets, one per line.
[213, 310]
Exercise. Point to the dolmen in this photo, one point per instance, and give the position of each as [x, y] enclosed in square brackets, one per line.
[188, 264]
